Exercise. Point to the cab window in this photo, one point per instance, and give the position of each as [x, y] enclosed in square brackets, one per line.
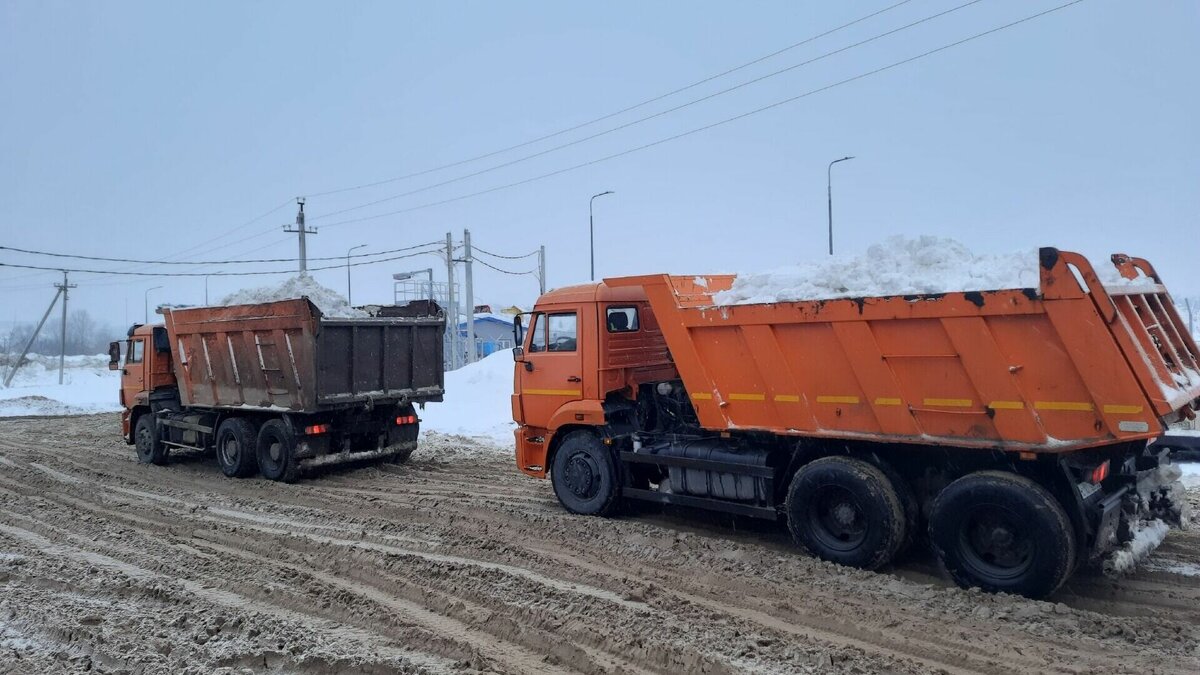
[621, 319]
[537, 341]
[562, 333]
[134, 353]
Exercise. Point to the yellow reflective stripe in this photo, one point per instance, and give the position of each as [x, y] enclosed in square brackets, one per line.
[552, 392]
[702, 397]
[837, 399]
[949, 402]
[887, 401]
[787, 398]
[1122, 409]
[747, 397]
[1007, 405]
[1064, 405]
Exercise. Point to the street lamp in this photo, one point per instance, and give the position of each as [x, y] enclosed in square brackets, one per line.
[206, 276]
[352, 249]
[829, 191]
[592, 230]
[404, 276]
[146, 302]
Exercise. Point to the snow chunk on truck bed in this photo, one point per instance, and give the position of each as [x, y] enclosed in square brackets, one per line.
[897, 266]
[330, 302]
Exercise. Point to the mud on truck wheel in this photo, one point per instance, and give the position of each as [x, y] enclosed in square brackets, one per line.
[277, 451]
[584, 475]
[146, 439]
[847, 511]
[1002, 532]
[237, 447]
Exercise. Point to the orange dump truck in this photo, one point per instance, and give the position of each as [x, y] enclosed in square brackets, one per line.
[1010, 426]
[277, 387]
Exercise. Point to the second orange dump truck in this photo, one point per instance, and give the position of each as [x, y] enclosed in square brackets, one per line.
[1010, 426]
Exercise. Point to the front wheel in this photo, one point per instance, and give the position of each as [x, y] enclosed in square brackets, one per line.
[584, 476]
[1002, 532]
[846, 511]
[150, 448]
[277, 451]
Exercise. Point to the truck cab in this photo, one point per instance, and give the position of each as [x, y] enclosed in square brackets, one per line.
[146, 373]
[582, 349]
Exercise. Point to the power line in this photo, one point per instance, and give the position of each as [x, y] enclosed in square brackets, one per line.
[616, 113]
[647, 118]
[504, 257]
[206, 262]
[515, 274]
[712, 125]
[213, 274]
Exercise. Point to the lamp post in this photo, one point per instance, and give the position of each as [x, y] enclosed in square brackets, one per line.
[206, 276]
[146, 302]
[592, 230]
[352, 249]
[829, 192]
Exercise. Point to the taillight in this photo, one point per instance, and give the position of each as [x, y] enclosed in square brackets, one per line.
[316, 429]
[406, 419]
[1100, 473]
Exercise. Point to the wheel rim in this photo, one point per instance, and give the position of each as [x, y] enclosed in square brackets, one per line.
[581, 475]
[231, 451]
[836, 519]
[143, 442]
[994, 544]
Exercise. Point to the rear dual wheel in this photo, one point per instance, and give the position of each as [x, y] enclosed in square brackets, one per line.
[1002, 532]
[237, 447]
[846, 510]
[277, 451]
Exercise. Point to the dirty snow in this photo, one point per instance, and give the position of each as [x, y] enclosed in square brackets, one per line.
[1191, 475]
[330, 302]
[1147, 536]
[88, 387]
[478, 402]
[898, 266]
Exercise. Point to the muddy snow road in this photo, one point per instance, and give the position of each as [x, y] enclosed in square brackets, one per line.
[455, 562]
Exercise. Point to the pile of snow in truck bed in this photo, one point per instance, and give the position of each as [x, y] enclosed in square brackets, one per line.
[897, 266]
[330, 302]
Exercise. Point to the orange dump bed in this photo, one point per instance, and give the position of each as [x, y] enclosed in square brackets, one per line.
[1068, 365]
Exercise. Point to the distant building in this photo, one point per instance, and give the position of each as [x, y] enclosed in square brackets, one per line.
[493, 332]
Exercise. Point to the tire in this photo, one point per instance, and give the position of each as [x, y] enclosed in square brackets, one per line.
[147, 442]
[584, 475]
[908, 500]
[277, 451]
[846, 511]
[401, 456]
[1002, 532]
[237, 447]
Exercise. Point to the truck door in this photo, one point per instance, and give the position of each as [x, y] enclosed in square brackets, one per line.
[553, 368]
[133, 375]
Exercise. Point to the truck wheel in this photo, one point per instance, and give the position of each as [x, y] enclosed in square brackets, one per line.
[401, 456]
[150, 448]
[1002, 532]
[583, 474]
[908, 500]
[237, 447]
[846, 511]
[276, 451]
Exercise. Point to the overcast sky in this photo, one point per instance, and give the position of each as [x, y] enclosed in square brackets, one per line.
[143, 130]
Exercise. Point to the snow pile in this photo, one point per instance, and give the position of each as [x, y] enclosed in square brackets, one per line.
[478, 402]
[330, 302]
[88, 387]
[898, 266]
[1147, 536]
[1191, 475]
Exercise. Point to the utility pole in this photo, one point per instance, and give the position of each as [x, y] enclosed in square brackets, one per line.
[470, 293]
[451, 311]
[62, 350]
[302, 230]
[542, 269]
[17, 364]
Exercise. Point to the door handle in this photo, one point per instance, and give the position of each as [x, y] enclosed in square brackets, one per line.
[574, 378]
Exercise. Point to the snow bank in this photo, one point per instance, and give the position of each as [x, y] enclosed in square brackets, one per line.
[330, 302]
[1191, 475]
[478, 402]
[897, 266]
[88, 387]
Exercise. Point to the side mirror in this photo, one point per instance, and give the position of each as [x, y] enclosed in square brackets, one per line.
[114, 355]
[518, 353]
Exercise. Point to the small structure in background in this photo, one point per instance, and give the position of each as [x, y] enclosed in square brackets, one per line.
[493, 332]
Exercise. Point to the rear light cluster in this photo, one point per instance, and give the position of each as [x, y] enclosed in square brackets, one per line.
[1100, 473]
[406, 419]
[316, 429]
